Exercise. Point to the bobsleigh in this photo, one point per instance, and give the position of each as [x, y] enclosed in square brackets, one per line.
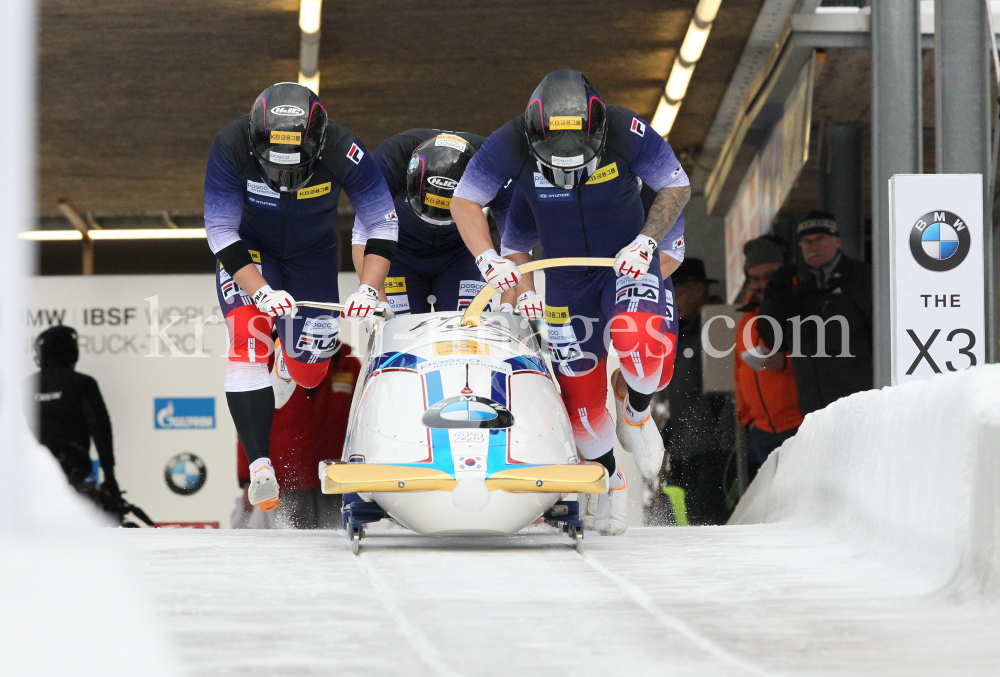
[457, 427]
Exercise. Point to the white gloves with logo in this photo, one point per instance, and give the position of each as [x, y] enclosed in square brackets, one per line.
[531, 306]
[634, 259]
[274, 303]
[361, 303]
[501, 273]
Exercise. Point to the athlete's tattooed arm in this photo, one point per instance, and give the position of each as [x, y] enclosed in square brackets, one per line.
[665, 209]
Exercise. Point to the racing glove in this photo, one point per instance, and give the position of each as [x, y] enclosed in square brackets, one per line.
[633, 260]
[531, 306]
[361, 303]
[505, 308]
[501, 273]
[274, 303]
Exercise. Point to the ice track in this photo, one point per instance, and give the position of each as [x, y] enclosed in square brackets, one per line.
[737, 600]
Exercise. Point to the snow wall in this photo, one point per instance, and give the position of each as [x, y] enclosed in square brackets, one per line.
[909, 475]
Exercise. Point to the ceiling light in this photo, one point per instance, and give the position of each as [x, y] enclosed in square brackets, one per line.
[694, 42]
[684, 63]
[118, 234]
[312, 83]
[51, 235]
[680, 78]
[309, 15]
[706, 10]
[665, 115]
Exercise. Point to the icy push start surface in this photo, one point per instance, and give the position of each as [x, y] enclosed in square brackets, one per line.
[736, 600]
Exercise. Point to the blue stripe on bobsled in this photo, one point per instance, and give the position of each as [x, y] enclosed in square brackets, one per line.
[393, 361]
[440, 442]
[527, 363]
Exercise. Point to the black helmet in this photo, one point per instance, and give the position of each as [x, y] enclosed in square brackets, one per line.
[287, 132]
[566, 125]
[56, 348]
[435, 169]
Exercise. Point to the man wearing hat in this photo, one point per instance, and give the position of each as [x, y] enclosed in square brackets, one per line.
[767, 402]
[836, 292]
[699, 435]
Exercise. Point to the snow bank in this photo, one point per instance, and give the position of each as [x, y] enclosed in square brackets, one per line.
[909, 475]
[70, 603]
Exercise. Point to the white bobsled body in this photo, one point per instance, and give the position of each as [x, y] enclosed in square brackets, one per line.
[467, 407]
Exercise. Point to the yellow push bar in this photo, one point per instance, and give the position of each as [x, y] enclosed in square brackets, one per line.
[344, 478]
[475, 309]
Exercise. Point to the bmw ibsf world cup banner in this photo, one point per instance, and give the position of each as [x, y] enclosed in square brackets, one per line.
[937, 276]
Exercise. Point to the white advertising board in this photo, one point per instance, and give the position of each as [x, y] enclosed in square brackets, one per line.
[936, 269]
[175, 444]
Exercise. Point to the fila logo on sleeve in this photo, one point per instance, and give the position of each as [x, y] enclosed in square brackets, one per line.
[638, 127]
[355, 154]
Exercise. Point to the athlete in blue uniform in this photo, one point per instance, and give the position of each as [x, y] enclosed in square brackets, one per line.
[271, 190]
[576, 161]
[422, 167]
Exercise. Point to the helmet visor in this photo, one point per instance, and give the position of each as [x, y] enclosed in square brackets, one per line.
[567, 178]
[285, 178]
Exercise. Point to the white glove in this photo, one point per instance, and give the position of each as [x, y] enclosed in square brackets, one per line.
[384, 305]
[501, 273]
[361, 303]
[274, 303]
[531, 306]
[633, 260]
[506, 308]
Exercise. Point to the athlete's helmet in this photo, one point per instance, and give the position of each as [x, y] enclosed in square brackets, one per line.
[287, 133]
[566, 125]
[435, 169]
[56, 348]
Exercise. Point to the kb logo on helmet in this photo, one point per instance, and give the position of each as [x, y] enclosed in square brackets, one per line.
[940, 241]
[290, 111]
[443, 182]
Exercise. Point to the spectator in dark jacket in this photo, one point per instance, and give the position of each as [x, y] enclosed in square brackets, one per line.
[836, 290]
[65, 410]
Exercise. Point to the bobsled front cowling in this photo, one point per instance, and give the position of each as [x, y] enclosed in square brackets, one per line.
[467, 403]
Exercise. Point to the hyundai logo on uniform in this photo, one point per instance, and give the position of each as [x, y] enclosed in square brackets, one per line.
[290, 111]
[185, 474]
[443, 182]
[184, 413]
[940, 241]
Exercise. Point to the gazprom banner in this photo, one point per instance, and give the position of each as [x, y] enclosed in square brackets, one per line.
[937, 276]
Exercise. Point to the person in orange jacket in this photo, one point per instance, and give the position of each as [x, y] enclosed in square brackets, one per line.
[309, 426]
[767, 402]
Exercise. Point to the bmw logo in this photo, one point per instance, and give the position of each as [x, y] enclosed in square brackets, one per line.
[185, 474]
[468, 411]
[940, 241]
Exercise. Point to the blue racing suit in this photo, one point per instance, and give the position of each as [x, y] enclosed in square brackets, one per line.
[589, 308]
[291, 239]
[430, 261]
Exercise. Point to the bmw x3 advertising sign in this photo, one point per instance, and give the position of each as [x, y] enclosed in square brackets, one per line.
[936, 274]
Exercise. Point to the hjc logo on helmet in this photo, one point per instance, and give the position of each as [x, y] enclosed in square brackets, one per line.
[290, 111]
[443, 182]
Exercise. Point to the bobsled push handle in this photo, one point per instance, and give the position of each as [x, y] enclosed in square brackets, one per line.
[339, 307]
[475, 309]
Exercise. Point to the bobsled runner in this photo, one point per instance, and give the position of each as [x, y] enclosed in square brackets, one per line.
[457, 427]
